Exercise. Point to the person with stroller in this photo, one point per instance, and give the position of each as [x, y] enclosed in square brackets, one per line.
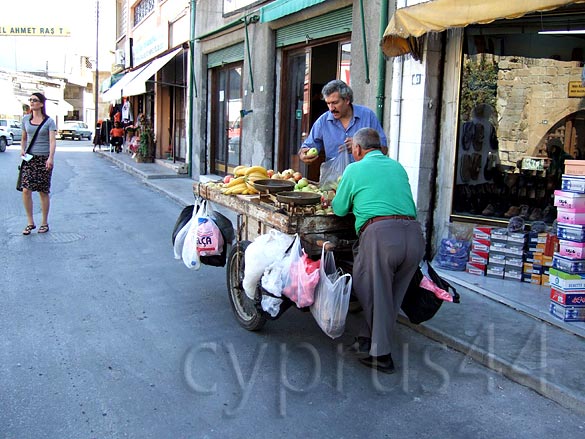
[117, 137]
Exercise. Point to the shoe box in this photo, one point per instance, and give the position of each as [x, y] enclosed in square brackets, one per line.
[569, 200]
[572, 249]
[567, 313]
[566, 282]
[479, 254]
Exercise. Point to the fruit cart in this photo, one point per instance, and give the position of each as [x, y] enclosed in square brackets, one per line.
[287, 212]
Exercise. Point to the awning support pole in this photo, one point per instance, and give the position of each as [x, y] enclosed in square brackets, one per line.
[192, 84]
[380, 95]
[364, 42]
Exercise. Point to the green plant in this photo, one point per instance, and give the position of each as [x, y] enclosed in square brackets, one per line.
[478, 85]
[146, 144]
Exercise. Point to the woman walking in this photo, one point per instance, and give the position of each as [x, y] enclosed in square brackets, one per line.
[36, 172]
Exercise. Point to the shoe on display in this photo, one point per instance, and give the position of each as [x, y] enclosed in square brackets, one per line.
[524, 211]
[512, 211]
[489, 210]
[536, 214]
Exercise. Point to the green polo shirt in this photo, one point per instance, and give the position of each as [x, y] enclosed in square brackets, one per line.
[375, 186]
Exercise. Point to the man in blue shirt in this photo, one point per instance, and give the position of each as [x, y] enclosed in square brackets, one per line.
[335, 128]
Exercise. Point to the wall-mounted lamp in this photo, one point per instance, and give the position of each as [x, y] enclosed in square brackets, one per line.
[244, 113]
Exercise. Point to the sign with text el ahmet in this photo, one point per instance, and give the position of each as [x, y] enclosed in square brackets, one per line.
[33, 31]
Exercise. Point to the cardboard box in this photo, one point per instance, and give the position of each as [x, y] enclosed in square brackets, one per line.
[547, 261]
[566, 282]
[575, 167]
[572, 249]
[512, 273]
[536, 279]
[571, 232]
[499, 234]
[567, 313]
[571, 216]
[479, 257]
[519, 237]
[569, 200]
[573, 183]
[545, 280]
[526, 277]
[497, 258]
[514, 251]
[574, 298]
[527, 267]
[496, 272]
[513, 261]
[482, 233]
[477, 269]
[568, 264]
[480, 245]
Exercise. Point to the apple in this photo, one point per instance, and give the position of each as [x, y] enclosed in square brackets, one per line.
[297, 176]
[227, 178]
[303, 182]
[270, 173]
[313, 152]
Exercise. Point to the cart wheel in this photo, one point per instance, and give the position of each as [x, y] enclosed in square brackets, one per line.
[245, 311]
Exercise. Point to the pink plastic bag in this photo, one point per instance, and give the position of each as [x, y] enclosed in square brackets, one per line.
[428, 284]
[302, 277]
[209, 237]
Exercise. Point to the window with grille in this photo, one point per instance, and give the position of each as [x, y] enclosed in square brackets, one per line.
[142, 9]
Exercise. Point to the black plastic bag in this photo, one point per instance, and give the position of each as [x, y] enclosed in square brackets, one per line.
[420, 304]
[225, 226]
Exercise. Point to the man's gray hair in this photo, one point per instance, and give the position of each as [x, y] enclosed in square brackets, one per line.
[337, 85]
[367, 138]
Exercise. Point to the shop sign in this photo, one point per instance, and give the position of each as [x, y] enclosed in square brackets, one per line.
[576, 89]
[34, 31]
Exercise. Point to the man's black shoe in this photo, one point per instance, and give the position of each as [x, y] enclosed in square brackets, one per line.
[382, 363]
[360, 346]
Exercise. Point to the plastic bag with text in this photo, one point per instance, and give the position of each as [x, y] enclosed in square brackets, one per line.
[209, 238]
[331, 297]
[332, 170]
[302, 276]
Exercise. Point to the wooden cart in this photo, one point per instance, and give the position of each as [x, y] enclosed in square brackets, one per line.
[257, 215]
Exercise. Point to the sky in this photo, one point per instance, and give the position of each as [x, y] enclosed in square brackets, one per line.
[55, 54]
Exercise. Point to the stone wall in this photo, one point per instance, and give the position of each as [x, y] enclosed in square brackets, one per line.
[532, 96]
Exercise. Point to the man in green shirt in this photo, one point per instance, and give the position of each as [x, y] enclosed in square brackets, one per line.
[390, 246]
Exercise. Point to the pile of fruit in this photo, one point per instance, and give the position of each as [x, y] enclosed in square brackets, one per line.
[241, 183]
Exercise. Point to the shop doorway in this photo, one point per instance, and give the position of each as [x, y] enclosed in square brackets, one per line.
[226, 104]
[305, 71]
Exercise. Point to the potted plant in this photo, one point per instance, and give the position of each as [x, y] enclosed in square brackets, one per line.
[145, 152]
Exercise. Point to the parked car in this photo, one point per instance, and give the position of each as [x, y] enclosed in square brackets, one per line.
[5, 139]
[74, 129]
[13, 127]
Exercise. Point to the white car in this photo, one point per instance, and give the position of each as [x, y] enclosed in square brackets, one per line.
[13, 127]
[5, 139]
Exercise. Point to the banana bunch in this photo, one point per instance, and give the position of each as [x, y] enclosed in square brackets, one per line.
[244, 177]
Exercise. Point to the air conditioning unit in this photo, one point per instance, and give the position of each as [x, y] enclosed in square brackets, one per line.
[120, 57]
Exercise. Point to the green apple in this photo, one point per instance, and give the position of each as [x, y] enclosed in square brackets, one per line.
[312, 152]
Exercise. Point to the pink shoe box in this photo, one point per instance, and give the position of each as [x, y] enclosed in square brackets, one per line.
[571, 216]
[572, 249]
[480, 245]
[574, 298]
[569, 200]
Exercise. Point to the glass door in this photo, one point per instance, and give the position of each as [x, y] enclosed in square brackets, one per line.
[226, 104]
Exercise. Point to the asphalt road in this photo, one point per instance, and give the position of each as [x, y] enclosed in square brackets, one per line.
[104, 335]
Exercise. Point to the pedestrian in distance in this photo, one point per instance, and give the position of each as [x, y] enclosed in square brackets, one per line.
[390, 243]
[117, 137]
[37, 150]
[334, 129]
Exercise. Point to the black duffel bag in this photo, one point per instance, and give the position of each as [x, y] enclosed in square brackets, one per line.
[420, 304]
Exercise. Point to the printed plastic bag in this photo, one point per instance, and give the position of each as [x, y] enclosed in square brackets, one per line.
[209, 237]
[302, 276]
[189, 252]
[332, 170]
[331, 297]
[262, 252]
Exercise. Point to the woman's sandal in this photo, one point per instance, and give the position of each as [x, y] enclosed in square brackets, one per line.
[44, 228]
[28, 229]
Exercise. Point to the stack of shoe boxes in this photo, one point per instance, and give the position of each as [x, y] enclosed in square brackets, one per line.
[515, 248]
[480, 247]
[567, 275]
[538, 258]
[497, 255]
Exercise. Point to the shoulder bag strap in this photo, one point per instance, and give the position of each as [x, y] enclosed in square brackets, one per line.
[34, 137]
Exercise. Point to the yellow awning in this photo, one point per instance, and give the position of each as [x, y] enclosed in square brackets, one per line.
[436, 16]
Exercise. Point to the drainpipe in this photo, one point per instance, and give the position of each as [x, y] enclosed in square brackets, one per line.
[192, 84]
[380, 96]
[396, 105]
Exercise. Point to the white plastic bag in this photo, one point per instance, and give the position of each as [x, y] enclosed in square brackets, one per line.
[209, 237]
[189, 252]
[332, 170]
[262, 252]
[180, 239]
[331, 297]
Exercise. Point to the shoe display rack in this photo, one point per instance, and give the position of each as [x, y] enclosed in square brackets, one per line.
[567, 275]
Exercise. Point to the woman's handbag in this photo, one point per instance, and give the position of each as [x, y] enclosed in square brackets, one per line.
[32, 141]
[421, 304]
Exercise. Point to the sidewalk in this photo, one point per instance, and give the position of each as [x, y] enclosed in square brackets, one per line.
[499, 329]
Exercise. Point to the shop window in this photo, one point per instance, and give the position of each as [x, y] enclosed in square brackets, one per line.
[142, 10]
[517, 122]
